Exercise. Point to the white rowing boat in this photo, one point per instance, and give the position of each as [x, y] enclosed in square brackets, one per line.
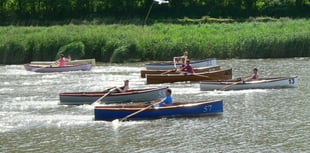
[138, 95]
[264, 83]
[73, 62]
[50, 69]
[170, 65]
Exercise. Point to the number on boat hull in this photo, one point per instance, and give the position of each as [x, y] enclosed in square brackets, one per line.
[207, 108]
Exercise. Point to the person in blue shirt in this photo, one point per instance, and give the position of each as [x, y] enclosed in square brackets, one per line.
[168, 100]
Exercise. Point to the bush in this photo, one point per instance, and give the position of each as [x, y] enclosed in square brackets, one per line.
[124, 53]
[123, 43]
[75, 49]
[205, 19]
[12, 53]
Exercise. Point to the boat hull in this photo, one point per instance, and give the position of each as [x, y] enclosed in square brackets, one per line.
[142, 95]
[73, 62]
[197, 70]
[170, 65]
[268, 83]
[190, 109]
[48, 69]
[170, 78]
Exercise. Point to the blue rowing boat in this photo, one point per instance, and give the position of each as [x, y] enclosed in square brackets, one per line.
[188, 109]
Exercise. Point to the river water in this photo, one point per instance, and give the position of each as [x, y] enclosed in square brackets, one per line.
[274, 120]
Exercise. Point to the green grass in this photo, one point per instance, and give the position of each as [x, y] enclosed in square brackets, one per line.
[123, 43]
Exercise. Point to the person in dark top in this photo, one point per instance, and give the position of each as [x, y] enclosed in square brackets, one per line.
[187, 68]
[124, 88]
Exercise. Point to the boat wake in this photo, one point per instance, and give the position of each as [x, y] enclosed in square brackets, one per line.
[234, 92]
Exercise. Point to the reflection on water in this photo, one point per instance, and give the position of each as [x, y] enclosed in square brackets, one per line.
[253, 120]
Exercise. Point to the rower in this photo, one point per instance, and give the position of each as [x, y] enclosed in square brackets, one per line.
[181, 59]
[62, 60]
[185, 56]
[187, 67]
[124, 88]
[168, 100]
[254, 76]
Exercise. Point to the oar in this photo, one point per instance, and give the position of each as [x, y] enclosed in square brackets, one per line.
[228, 86]
[137, 112]
[103, 96]
[201, 76]
[167, 71]
[174, 64]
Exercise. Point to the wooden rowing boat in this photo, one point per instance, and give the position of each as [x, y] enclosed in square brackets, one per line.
[49, 69]
[188, 109]
[170, 65]
[73, 62]
[138, 95]
[170, 78]
[264, 83]
[196, 70]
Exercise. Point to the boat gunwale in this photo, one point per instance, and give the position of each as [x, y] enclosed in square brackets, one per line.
[228, 82]
[48, 67]
[140, 106]
[96, 94]
[143, 73]
[199, 68]
[188, 74]
[171, 63]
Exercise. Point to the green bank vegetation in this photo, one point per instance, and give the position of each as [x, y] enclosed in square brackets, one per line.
[123, 43]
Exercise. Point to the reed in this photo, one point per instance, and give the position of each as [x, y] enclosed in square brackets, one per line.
[123, 43]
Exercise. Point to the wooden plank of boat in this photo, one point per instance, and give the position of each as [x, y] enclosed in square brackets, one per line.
[47, 69]
[170, 78]
[139, 95]
[264, 83]
[73, 62]
[188, 109]
[196, 70]
[170, 65]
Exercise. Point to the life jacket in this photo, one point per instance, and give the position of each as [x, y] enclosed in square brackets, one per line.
[62, 62]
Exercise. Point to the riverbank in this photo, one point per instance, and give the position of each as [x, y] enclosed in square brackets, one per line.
[123, 43]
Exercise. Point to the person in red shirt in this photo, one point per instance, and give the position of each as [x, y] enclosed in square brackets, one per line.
[62, 60]
[187, 68]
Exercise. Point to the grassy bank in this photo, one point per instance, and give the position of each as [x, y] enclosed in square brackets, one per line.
[119, 43]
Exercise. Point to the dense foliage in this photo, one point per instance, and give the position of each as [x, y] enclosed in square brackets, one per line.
[28, 12]
[121, 43]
